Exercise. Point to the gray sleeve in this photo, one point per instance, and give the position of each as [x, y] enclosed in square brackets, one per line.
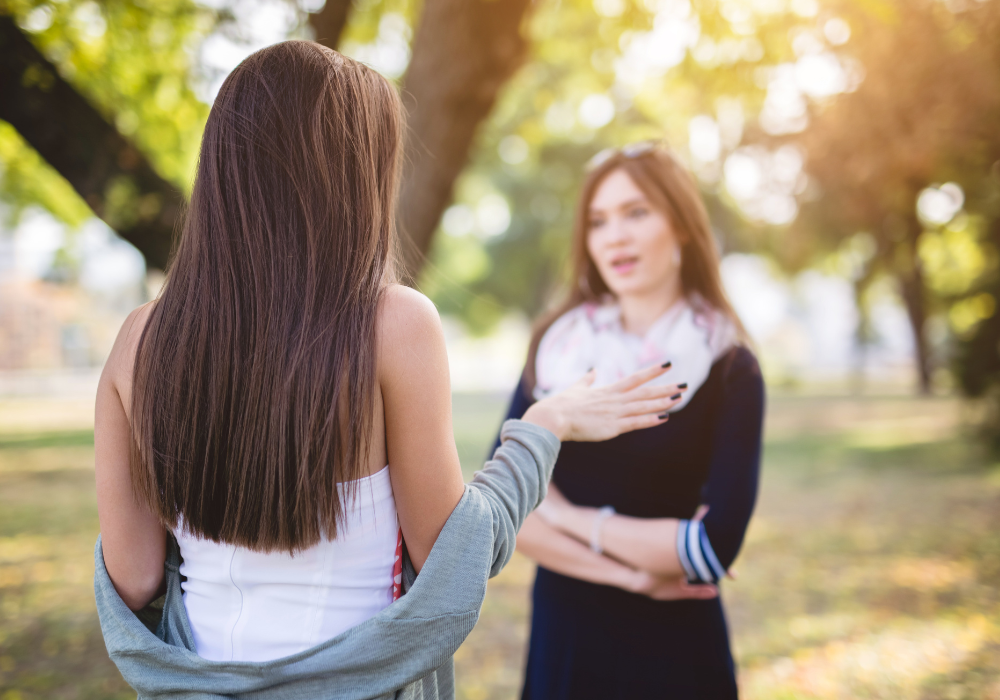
[515, 481]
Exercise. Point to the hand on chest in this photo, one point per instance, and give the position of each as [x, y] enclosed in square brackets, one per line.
[658, 472]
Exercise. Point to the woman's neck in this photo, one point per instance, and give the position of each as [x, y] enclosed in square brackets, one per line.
[640, 311]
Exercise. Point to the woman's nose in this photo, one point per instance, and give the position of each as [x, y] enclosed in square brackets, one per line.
[617, 231]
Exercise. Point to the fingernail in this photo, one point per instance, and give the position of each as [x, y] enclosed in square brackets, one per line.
[675, 397]
[590, 370]
[663, 416]
[666, 364]
[682, 386]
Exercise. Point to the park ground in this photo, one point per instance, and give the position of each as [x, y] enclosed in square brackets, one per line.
[871, 568]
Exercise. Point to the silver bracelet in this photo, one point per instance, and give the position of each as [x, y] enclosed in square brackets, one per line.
[595, 529]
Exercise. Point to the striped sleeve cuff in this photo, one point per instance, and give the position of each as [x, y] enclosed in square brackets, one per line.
[696, 554]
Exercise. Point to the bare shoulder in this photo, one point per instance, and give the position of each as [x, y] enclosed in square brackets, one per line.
[118, 369]
[407, 315]
[404, 309]
[409, 330]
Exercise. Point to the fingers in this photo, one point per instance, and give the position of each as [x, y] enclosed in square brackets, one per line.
[636, 408]
[698, 592]
[683, 590]
[630, 423]
[640, 377]
[654, 391]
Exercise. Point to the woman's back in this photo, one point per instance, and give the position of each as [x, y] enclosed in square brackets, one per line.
[257, 606]
[252, 605]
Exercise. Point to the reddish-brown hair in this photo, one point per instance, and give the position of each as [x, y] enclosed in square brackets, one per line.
[669, 188]
[255, 376]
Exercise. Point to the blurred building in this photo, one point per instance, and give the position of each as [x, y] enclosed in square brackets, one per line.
[63, 297]
[40, 325]
[806, 328]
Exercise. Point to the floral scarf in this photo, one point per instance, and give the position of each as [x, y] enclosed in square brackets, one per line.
[691, 334]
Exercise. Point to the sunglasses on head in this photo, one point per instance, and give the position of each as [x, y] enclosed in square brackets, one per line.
[632, 150]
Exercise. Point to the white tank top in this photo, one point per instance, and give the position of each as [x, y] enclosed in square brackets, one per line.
[252, 606]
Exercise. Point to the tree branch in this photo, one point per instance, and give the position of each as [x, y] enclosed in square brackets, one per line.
[76, 140]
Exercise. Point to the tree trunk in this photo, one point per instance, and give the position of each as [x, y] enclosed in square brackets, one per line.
[76, 140]
[914, 293]
[328, 24]
[463, 53]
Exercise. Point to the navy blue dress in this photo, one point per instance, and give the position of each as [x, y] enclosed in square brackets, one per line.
[594, 641]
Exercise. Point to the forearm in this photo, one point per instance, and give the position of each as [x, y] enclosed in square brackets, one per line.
[649, 544]
[565, 555]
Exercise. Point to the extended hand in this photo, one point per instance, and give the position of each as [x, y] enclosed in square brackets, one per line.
[587, 414]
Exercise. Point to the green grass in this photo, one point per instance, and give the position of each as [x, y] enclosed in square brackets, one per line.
[67, 438]
[871, 568]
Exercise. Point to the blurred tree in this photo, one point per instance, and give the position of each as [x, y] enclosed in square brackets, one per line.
[600, 73]
[506, 148]
[462, 54]
[912, 122]
[104, 168]
[111, 109]
[329, 21]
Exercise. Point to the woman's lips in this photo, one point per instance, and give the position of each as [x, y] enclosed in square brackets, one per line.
[624, 266]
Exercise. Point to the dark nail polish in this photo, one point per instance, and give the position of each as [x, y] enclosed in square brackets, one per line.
[590, 370]
[663, 416]
[682, 386]
[666, 364]
[675, 397]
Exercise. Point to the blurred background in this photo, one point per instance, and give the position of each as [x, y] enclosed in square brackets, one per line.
[849, 155]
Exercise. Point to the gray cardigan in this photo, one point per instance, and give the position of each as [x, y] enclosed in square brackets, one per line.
[403, 652]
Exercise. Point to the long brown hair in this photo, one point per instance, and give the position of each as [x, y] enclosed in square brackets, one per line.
[670, 189]
[254, 380]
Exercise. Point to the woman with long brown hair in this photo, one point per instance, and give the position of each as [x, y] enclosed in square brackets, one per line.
[625, 601]
[245, 420]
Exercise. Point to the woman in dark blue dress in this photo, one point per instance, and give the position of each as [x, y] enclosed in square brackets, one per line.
[637, 531]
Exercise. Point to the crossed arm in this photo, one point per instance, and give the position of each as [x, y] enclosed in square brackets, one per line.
[638, 553]
[658, 556]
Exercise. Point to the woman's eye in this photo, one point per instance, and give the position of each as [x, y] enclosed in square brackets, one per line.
[595, 223]
[637, 213]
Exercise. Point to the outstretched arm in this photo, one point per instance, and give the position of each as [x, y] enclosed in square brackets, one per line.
[416, 392]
